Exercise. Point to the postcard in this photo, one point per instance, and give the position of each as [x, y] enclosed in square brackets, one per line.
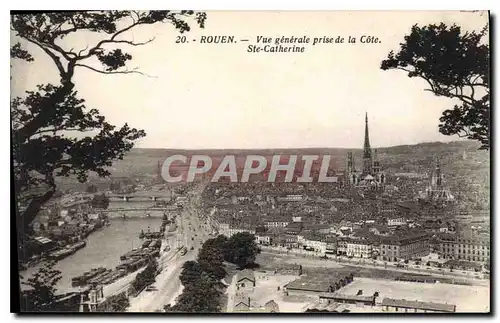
[251, 161]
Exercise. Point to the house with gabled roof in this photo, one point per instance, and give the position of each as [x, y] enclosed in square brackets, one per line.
[241, 303]
[245, 278]
[272, 307]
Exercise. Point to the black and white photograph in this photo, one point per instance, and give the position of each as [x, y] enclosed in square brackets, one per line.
[243, 162]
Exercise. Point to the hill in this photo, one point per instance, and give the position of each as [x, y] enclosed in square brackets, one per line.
[461, 161]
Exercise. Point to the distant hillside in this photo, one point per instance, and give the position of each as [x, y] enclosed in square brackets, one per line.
[466, 169]
[144, 161]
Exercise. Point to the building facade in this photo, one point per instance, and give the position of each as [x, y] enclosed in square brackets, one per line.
[469, 247]
[404, 246]
[359, 248]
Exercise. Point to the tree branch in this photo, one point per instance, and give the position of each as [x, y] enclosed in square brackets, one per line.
[130, 42]
[54, 130]
[64, 53]
[56, 59]
[473, 92]
[80, 52]
[110, 40]
[135, 71]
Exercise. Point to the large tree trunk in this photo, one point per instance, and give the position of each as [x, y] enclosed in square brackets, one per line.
[25, 218]
[28, 215]
[46, 112]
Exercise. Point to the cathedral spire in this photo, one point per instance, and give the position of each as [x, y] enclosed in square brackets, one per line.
[367, 151]
[439, 176]
[366, 148]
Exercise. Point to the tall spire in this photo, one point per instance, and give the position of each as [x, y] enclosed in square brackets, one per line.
[158, 172]
[439, 176]
[367, 151]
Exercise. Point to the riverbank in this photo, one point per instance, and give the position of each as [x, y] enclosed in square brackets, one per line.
[104, 248]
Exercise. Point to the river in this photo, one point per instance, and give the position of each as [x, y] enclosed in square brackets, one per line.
[104, 248]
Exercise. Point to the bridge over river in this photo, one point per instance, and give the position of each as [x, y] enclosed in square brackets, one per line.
[145, 208]
[137, 198]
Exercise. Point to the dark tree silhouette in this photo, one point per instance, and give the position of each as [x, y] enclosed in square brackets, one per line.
[211, 259]
[115, 303]
[241, 249]
[455, 64]
[42, 147]
[40, 293]
[191, 273]
[202, 297]
[145, 277]
[201, 280]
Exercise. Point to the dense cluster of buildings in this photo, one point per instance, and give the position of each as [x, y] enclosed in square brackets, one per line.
[67, 221]
[366, 214]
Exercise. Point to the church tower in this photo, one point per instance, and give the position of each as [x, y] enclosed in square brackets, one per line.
[350, 163]
[376, 163]
[377, 169]
[367, 151]
[158, 172]
[351, 169]
[437, 177]
[437, 191]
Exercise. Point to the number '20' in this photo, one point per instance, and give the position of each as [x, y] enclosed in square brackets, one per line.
[180, 39]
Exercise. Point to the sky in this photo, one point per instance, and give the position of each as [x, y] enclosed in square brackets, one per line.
[220, 96]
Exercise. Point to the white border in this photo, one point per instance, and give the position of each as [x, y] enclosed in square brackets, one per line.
[196, 5]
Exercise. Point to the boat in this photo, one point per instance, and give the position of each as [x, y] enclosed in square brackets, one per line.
[124, 265]
[146, 243]
[153, 235]
[97, 279]
[82, 279]
[79, 245]
[136, 264]
[155, 253]
[131, 254]
[35, 260]
[60, 254]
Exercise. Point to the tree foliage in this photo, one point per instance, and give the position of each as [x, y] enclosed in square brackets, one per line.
[43, 120]
[211, 259]
[202, 297]
[145, 277]
[241, 249]
[191, 273]
[455, 65]
[201, 280]
[115, 303]
[40, 293]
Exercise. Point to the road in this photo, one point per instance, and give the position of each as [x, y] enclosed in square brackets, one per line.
[231, 293]
[192, 232]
